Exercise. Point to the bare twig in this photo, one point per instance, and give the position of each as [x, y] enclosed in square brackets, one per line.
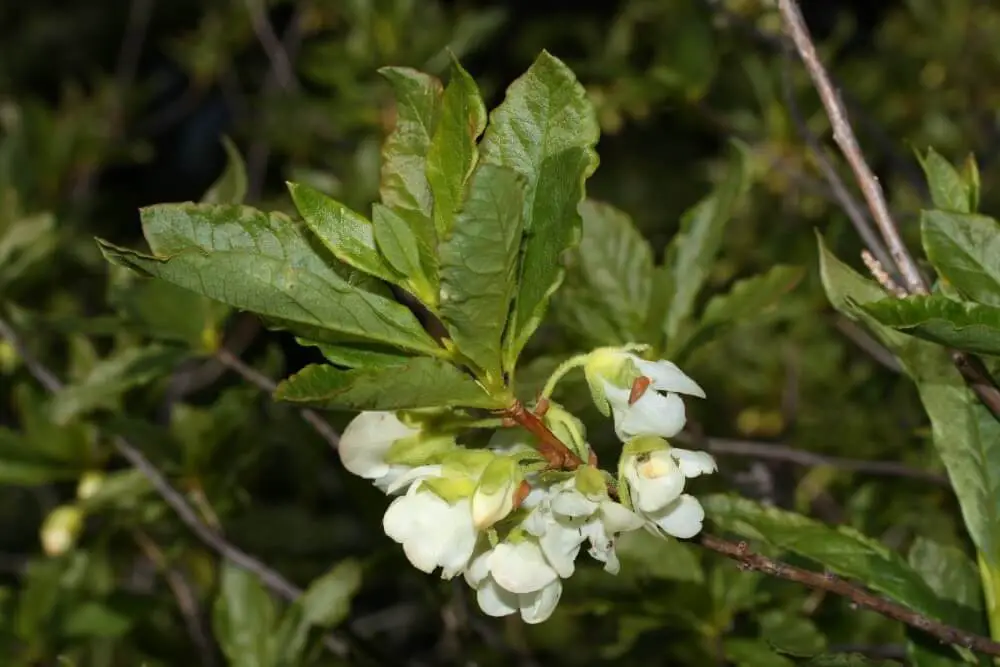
[269, 577]
[779, 452]
[971, 368]
[853, 209]
[867, 343]
[264, 383]
[281, 64]
[279, 75]
[749, 560]
[877, 269]
[843, 135]
[187, 600]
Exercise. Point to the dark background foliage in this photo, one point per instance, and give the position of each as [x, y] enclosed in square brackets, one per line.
[108, 107]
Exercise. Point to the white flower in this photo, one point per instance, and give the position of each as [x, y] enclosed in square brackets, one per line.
[494, 497]
[653, 413]
[658, 410]
[603, 529]
[366, 442]
[682, 518]
[656, 478]
[515, 578]
[434, 533]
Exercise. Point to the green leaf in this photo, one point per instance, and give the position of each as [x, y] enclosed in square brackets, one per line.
[479, 267]
[93, 619]
[346, 234]
[244, 619]
[753, 653]
[545, 129]
[110, 378]
[266, 263]
[167, 312]
[419, 383]
[746, 299]
[841, 550]
[949, 191]
[848, 660]
[970, 175]
[354, 355]
[612, 271]
[404, 154]
[453, 154]
[23, 465]
[790, 633]
[950, 574]
[693, 250]
[971, 327]
[965, 250]
[326, 603]
[398, 244]
[24, 243]
[648, 556]
[231, 186]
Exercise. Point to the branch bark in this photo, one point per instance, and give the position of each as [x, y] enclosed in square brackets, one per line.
[971, 368]
[273, 580]
[741, 553]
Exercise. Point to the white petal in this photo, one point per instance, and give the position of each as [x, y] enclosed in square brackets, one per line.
[573, 503]
[458, 546]
[682, 518]
[521, 567]
[488, 508]
[617, 518]
[478, 569]
[694, 463]
[407, 477]
[666, 376]
[367, 439]
[561, 545]
[495, 601]
[537, 607]
[652, 414]
[656, 482]
[419, 521]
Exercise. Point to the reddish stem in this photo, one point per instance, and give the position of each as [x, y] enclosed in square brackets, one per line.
[552, 448]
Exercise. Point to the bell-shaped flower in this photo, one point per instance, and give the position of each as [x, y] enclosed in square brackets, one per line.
[641, 395]
[655, 474]
[61, 529]
[379, 446]
[681, 518]
[515, 577]
[495, 494]
[434, 532]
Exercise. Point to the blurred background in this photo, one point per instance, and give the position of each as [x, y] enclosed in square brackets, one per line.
[109, 106]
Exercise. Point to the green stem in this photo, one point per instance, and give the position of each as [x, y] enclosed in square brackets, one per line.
[991, 591]
[560, 372]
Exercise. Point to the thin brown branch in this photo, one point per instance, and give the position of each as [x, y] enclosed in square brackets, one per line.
[740, 552]
[971, 368]
[264, 383]
[843, 135]
[281, 62]
[552, 448]
[799, 457]
[272, 579]
[853, 209]
[259, 152]
[187, 600]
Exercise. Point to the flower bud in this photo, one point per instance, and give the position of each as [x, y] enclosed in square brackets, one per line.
[90, 483]
[60, 529]
[494, 495]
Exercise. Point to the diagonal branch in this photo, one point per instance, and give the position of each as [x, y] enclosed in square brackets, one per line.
[971, 368]
[741, 553]
[559, 454]
[172, 497]
[843, 135]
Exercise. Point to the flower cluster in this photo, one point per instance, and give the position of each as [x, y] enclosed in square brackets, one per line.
[512, 526]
